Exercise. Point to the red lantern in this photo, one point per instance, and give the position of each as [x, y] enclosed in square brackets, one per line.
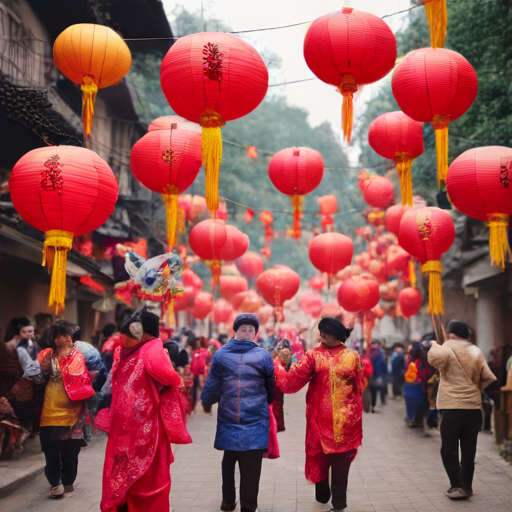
[426, 233]
[236, 244]
[222, 311]
[264, 313]
[478, 186]
[410, 301]
[190, 278]
[397, 260]
[317, 283]
[185, 301]
[363, 260]
[378, 192]
[331, 252]
[348, 48]
[438, 86]
[311, 303]
[64, 191]
[203, 305]
[378, 269]
[296, 172]
[231, 285]
[247, 302]
[358, 294]
[399, 138]
[210, 78]
[277, 285]
[393, 217]
[250, 264]
[328, 207]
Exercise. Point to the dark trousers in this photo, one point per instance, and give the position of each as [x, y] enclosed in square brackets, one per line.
[340, 466]
[249, 463]
[460, 426]
[375, 389]
[61, 459]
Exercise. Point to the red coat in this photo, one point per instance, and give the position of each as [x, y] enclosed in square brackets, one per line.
[334, 408]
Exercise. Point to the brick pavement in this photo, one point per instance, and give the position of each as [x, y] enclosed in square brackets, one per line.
[396, 469]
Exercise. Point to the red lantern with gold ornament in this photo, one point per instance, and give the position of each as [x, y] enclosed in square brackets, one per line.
[426, 233]
[296, 172]
[63, 191]
[231, 285]
[398, 137]
[478, 186]
[203, 305]
[438, 86]
[331, 252]
[358, 294]
[393, 218]
[410, 301]
[348, 48]
[250, 265]
[317, 283]
[378, 192]
[210, 78]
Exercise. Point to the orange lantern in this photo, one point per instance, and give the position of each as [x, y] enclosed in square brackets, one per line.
[93, 56]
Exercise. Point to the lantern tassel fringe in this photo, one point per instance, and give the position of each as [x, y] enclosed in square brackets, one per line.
[434, 270]
[403, 167]
[297, 201]
[89, 91]
[440, 125]
[55, 250]
[412, 273]
[171, 208]
[347, 88]
[498, 240]
[437, 17]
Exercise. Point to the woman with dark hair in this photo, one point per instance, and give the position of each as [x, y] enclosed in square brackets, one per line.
[333, 409]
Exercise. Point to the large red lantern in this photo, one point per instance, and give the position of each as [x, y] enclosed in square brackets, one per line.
[231, 285]
[394, 217]
[358, 294]
[410, 301]
[296, 172]
[277, 285]
[348, 48]
[478, 186]
[378, 192]
[167, 160]
[438, 86]
[331, 252]
[426, 233]
[222, 311]
[64, 191]
[210, 78]
[250, 264]
[399, 138]
[203, 305]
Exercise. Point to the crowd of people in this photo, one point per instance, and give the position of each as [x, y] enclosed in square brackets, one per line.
[141, 382]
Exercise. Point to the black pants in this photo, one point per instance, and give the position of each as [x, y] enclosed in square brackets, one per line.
[375, 389]
[460, 426]
[340, 466]
[61, 459]
[249, 463]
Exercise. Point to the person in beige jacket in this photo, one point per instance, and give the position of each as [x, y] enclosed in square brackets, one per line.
[464, 375]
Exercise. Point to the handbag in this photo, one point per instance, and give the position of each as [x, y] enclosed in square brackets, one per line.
[23, 390]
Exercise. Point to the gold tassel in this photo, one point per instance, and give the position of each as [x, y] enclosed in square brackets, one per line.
[412, 273]
[347, 88]
[170, 313]
[434, 270]
[297, 201]
[211, 154]
[171, 207]
[89, 91]
[440, 124]
[403, 166]
[55, 250]
[498, 239]
[437, 17]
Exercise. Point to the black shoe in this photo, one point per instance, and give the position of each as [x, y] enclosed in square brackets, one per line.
[227, 508]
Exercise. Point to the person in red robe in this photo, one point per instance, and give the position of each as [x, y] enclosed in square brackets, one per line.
[334, 409]
[146, 416]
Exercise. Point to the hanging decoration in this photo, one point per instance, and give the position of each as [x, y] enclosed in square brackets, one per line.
[328, 207]
[358, 293]
[203, 305]
[330, 253]
[437, 17]
[267, 219]
[399, 138]
[378, 192]
[210, 78]
[393, 218]
[93, 56]
[231, 285]
[167, 161]
[437, 86]
[311, 303]
[478, 184]
[63, 191]
[410, 301]
[247, 302]
[250, 265]
[249, 215]
[222, 312]
[347, 49]
[317, 283]
[296, 172]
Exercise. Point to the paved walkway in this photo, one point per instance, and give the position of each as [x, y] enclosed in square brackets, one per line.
[396, 469]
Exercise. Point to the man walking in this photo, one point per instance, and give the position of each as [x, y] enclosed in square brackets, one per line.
[464, 375]
[241, 379]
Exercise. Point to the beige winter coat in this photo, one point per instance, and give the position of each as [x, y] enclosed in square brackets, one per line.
[464, 374]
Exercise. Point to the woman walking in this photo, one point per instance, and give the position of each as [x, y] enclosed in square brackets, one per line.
[333, 409]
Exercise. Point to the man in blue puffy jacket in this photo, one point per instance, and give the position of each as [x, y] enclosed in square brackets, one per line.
[241, 379]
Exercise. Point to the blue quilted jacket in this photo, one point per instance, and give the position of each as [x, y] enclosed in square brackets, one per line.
[241, 379]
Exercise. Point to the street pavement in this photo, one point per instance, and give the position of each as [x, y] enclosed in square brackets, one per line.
[397, 468]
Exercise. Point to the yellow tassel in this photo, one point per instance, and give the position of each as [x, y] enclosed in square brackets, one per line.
[55, 250]
[440, 124]
[434, 270]
[297, 201]
[412, 273]
[347, 88]
[403, 166]
[498, 239]
[171, 206]
[211, 153]
[437, 17]
[170, 314]
[89, 91]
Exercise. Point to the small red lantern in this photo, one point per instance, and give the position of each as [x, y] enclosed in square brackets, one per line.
[222, 311]
[399, 138]
[190, 278]
[317, 283]
[231, 285]
[478, 186]
[185, 301]
[236, 244]
[378, 192]
[210, 78]
[438, 86]
[250, 264]
[328, 207]
[247, 302]
[378, 269]
[264, 313]
[348, 48]
[331, 252]
[203, 305]
[426, 233]
[410, 301]
[358, 294]
[393, 218]
[296, 172]
[311, 303]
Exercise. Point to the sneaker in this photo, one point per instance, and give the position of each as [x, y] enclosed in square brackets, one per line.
[56, 492]
[227, 508]
[456, 493]
[68, 490]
